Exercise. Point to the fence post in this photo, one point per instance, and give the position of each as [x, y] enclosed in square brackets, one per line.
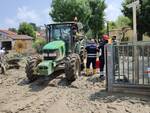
[109, 67]
[136, 65]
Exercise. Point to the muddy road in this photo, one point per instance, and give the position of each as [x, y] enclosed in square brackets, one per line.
[85, 95]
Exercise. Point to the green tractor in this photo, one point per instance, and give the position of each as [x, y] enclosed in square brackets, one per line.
[64, 51]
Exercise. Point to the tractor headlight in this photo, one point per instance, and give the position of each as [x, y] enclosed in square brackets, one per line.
[51, 55]
[55, 53]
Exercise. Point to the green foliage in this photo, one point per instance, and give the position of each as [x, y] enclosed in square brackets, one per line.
[34, 26]
[96, 20]
[39, 43]
[89, 34]
[13, 30]
[143, 16]
[89, 12]
[112, 25]
[123, 21]
[26, 29]
[67, 10]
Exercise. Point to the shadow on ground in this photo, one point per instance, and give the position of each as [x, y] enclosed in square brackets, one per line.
[64, 82]
[23, 82]
[95, 80]
[43, 82]
[105, 97]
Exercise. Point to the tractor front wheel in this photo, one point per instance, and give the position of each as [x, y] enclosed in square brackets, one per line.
[2, 69]
[72, 67]
[31, 65]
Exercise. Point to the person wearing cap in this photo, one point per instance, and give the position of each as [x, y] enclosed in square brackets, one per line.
[91, 50]
[102, 43]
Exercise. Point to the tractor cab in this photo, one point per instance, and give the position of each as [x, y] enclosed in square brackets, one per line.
[65, 32]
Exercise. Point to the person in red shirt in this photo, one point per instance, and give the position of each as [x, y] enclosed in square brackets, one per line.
[102, 43]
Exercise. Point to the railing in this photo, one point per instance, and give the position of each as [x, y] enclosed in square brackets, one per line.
[128, 65]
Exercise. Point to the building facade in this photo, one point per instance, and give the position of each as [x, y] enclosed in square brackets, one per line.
[11, 41]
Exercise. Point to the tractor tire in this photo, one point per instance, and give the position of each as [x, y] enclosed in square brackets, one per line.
[4, 65]
[72, 67]
[31, 65]
[2, 69]
[82, 57]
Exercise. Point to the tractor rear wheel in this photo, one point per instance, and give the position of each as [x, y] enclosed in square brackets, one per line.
[72, 67]
[82, 57]
[4, 64]
[31, 65]
[2, 69]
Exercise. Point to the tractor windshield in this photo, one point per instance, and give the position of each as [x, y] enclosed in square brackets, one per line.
[64, 32]
[61, 32]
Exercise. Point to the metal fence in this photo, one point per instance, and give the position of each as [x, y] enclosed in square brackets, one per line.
[128, 64]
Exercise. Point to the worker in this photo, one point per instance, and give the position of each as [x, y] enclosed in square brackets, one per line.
[114, 41]
[91, 50]
[110, 41]
[102, 43]
[2, 53]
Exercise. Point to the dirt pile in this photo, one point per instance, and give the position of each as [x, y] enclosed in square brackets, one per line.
[85, 95]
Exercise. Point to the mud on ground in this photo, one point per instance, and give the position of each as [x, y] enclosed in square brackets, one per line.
[85, 95]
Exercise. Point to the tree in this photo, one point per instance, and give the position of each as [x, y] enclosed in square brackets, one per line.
[123, 21]
[39, 43]
[13, 30]
[89, 12]
[112, 25]
[143, 17]
[26, 29]
[67, 10]
[96, 20]
[34, 26]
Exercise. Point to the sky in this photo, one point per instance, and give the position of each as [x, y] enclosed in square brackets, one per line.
[13, 12]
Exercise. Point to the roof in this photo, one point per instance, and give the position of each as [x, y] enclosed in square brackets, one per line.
[8, 32]
[15, 36]
[21, 37]
[37, 33]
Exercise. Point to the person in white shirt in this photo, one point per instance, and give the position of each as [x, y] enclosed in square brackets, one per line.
[2, 53]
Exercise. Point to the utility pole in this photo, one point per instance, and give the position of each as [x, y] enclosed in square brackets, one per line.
[134, 5]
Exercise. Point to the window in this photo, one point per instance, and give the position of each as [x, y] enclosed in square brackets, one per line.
[61, 32]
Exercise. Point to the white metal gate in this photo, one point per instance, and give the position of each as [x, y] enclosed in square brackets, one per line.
[124, 72]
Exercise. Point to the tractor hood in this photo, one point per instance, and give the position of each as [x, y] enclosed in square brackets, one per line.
[54, 45]
[46, 67]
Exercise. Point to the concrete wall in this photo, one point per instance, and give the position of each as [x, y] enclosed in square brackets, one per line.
[129, 34]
